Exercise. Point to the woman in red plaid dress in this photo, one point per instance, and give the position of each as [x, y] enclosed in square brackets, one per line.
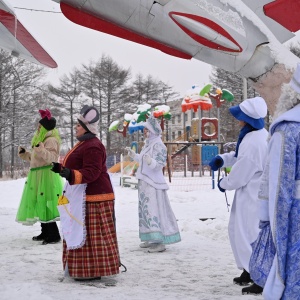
[90, 248]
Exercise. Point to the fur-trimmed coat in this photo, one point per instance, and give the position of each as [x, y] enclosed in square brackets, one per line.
[87, 161]
[279, 198]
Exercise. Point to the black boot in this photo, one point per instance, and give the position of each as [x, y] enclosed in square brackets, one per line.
[244, 279]
[43, 234]
[253, 289]
[52, 234]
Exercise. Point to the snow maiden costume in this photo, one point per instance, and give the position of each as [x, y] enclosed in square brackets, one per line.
[279, 197]
[157, 223]
[247, 167]
[90, 247]
[42, 187]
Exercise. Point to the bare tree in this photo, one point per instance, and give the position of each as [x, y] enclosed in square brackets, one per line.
[103, 84]
[20, 84]
[29, 93]
[138, 89]
[167, 92]
[66, 96]
[106, 86]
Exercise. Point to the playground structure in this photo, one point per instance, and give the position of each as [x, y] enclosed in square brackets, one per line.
[203, 136]
[129, 167]
[200, 100]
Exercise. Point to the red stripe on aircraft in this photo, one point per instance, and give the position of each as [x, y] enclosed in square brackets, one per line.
[87, 20]
[26, 39]
[284, 12]
[202, 40]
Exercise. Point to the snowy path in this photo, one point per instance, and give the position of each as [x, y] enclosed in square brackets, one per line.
[200, 267]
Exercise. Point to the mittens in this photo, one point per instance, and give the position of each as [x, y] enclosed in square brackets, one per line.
[131, 153]
[56, 167]
[66, 173]
[220, 188]
[63, 172]
[21, 150]
[216, 163]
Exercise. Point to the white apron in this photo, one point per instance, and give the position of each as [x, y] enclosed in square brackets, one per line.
[72, 215]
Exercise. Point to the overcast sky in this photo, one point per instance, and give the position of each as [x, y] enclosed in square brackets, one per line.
[70, 45]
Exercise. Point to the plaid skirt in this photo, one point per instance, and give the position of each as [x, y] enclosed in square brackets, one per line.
[100, 254]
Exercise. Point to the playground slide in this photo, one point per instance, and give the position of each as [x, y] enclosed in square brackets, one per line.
[117, 167]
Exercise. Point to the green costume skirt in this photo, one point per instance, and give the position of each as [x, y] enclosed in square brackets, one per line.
[40, 196]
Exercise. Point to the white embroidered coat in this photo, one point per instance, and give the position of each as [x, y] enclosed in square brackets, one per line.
[152, 174]
[279, 198]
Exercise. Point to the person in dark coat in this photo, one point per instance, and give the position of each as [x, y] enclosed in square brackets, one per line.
[90, 247]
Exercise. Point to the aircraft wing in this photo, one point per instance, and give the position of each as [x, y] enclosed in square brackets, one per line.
[15, 39]
[232, 35]
[274, 15]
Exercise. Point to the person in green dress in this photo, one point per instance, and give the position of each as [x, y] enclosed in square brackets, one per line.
[42, 187]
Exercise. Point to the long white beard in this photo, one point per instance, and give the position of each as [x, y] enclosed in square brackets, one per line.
[287, 100]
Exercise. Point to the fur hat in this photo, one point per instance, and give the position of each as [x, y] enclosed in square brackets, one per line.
[47, 121]
[295, 81]
[89, 118]
[251, 111]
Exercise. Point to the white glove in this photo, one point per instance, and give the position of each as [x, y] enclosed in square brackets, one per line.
[131, 153]
[147, 159]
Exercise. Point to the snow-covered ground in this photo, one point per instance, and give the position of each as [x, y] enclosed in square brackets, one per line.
[201, 266]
